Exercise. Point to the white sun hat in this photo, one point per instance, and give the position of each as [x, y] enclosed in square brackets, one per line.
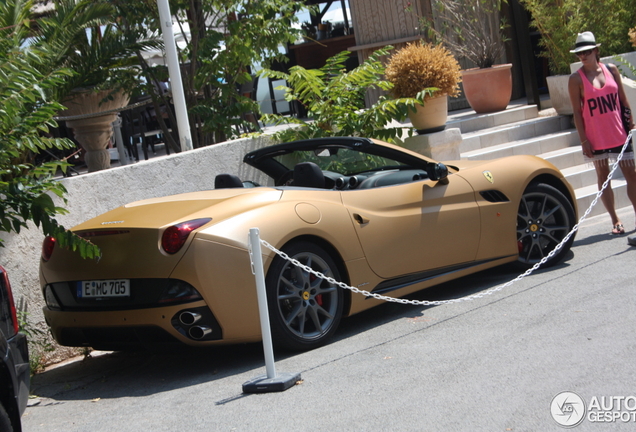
[584, 41]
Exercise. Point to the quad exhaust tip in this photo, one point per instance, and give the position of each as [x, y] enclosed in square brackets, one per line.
[199, 332]
[188, 318]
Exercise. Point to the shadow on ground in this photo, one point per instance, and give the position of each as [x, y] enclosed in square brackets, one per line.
[146, 372]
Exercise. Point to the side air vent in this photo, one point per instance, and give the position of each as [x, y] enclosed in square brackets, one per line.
[494, 196]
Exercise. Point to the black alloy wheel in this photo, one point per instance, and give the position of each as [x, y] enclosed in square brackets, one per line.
[304, 310]
[544, 218]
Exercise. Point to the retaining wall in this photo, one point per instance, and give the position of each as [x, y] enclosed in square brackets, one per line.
[95, 193]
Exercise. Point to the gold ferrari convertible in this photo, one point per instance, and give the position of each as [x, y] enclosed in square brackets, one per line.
[367, 213]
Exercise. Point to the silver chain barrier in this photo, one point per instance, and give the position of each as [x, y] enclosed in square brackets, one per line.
[473, 296]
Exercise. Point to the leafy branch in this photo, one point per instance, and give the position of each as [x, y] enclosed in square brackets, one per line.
[334, 100]
[26, 116]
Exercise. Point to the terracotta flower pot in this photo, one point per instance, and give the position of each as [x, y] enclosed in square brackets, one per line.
[93, 133]
[489, 89]
[432, 116]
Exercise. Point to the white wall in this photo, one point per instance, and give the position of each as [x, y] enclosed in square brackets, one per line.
[629, 57]
[92, 194]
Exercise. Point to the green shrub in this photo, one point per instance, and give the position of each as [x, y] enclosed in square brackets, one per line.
[419, 66]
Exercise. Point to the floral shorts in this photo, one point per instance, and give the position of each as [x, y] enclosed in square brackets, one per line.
[610, 155]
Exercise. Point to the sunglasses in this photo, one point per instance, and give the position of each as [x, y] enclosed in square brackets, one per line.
[585, 53]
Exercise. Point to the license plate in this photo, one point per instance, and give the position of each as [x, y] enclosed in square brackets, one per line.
[103, 288]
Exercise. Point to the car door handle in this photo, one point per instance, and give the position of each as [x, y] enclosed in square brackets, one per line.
[360, 219]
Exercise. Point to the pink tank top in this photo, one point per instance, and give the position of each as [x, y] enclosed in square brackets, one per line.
[602, 112]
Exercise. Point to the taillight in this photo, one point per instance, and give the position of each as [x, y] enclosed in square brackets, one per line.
[47, 247]
[175, 236]
[7, 285]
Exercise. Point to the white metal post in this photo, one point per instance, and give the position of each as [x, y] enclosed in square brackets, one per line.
[272, 381]
[176, 85]
[259, 274]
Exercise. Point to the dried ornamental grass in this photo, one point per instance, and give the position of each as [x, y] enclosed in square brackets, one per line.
[417, 67]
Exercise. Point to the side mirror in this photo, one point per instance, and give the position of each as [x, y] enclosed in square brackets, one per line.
[437, 172]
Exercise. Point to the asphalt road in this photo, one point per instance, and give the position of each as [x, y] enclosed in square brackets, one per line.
[492, 364]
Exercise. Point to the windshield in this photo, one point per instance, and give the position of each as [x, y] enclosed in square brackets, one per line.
[344, 161]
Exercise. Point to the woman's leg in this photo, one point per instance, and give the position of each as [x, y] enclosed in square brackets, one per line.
[602, 171]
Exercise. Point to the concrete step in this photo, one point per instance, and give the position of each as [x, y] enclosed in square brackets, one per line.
[522, 129]
[585, 196]
[580, 175]
[536, 145]
[565, 157]
[513, 132]
[468, 121]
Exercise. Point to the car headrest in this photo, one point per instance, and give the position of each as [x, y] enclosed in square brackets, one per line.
[224, 181]
[308, 174]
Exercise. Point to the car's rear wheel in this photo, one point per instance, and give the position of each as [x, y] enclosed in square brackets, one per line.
[305, 310]
[544, 218]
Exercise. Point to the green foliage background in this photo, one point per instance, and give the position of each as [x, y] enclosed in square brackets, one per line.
[99, 44]
[27, 108]
[560, 21]
[335, 100]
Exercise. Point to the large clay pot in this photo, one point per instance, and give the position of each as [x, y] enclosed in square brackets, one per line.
[432, 116]
[489, 89]
[93, 132]
[559, 94]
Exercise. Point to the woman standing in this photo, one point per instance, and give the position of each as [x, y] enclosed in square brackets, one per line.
[596, 92]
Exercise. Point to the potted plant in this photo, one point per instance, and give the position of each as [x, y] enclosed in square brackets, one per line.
[473, 29]
[84, 37]
[418, 67]
[324, 31]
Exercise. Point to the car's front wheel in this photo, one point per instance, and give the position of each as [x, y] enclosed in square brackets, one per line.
[544, 218]
[305, 310]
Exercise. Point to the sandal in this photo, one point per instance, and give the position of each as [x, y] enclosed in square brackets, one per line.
[618, 229]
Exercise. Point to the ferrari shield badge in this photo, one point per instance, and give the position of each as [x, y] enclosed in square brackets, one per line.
[488, 176]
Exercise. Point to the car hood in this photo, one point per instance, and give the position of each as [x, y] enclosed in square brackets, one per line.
[217, 204]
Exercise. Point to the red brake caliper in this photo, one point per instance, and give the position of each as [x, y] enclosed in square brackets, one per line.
[312, 278]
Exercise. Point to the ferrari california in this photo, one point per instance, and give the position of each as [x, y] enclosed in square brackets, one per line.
[367, 213]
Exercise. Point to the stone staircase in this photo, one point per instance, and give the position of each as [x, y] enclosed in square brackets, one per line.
[523, 129]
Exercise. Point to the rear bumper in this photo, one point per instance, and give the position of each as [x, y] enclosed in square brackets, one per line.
[126, 329]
